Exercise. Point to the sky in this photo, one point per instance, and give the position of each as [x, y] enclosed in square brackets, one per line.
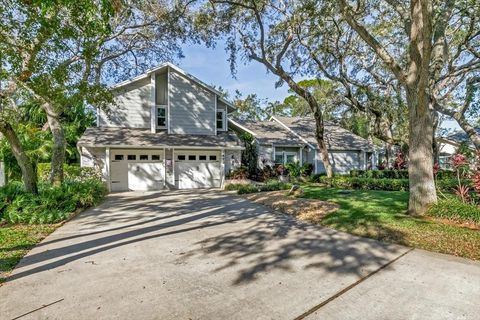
[211, 66]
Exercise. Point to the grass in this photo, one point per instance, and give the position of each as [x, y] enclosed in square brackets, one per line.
[382, 215]
[16, 241]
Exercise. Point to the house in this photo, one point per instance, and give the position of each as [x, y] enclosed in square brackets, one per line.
[167, 130]
[292, 139]
[449, 144]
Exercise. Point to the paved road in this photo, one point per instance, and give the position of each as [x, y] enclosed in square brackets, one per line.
[211, 255]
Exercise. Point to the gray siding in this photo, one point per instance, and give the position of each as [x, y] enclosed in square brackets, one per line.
[265, 155]
[342, 161]
[192, 107]
[132, 109]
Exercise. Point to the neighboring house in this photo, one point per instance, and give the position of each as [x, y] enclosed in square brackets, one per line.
[167, 130]
[292, 139]
[449, 144]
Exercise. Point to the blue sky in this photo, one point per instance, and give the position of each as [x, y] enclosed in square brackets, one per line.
[211, 66]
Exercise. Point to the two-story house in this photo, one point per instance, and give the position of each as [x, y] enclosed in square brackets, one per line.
[167, 129]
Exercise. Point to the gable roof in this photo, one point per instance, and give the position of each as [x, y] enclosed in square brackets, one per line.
[336, 137]
[268, 132]
[460, 136]
[166, 65]
[144, 138]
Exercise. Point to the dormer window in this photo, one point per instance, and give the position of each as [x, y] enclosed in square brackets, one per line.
[161, 117]
[221, 120]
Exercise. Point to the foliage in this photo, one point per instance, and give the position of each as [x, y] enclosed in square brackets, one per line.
[249, 154]
[380, 174]
[52, 204]
[455, 209]
[275, 185]
[73, 172]
[233, 186]
[247, 188]
[17, 240]
[400, 162]
[307, 169]
[267, 172]
[465, 150]
[293, 169]
[240, 173]
[382, 215]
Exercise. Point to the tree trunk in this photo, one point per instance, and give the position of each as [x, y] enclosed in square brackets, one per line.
[471, 133]
[420, 168]
[28, 169]
[59, 145]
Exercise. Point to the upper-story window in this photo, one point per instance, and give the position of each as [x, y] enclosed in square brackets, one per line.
[161, 117]
[221, 120]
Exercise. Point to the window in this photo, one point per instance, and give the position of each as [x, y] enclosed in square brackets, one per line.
[213, 158]
[161, 117]
[155, 157]
[202, 158]
[132, 157]
[279, 158]
[119, 157]
[290, 158]
[181, 157]
[221, 120]
[143, 157]
[192, 157]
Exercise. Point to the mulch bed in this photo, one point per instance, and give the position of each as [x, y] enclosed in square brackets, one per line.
[311, 210]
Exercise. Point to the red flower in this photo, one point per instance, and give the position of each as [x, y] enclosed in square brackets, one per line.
[476, 182]
[458, 160]
[436, 168]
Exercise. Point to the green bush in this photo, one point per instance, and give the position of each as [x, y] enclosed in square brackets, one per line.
[51, 204]
[274, 185]
[454, 209]
[317, 177]
[72, 172]
[293, 169]
[247, 188]
[233, 186]
[239, 173]
[306, 169]
[396, 174]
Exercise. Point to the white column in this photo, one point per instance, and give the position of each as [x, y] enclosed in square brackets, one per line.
[107, 169]
[315, 160]
[301, 156]
[153, 108]
[222, 168]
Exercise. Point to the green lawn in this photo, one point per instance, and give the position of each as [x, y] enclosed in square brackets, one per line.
[16, 241]
[381, 215]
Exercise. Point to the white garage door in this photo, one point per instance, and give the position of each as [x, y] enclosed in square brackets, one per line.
[139, 170]
[197, 169]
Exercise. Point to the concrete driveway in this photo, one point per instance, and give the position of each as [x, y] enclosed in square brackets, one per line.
[210, 255]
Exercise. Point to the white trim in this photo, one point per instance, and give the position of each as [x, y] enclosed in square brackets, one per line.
[242, 127]
[216, 110]
[224, 118]
[301, 156]
[164, 168]
[164, 107]
[222, 168]
[98, 117]
[153, 101]
[315, 160]
[288, 128]
[168, 100]
[107, 168]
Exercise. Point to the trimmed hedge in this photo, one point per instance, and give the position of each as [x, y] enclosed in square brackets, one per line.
[396, 174]
[454, 209]
[346, 182]
[72, 172]
[247, 188]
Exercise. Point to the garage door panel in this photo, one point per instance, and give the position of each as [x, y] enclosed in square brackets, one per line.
[145, 176]
[197, 175]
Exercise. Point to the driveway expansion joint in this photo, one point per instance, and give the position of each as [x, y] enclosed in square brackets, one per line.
[351, 286]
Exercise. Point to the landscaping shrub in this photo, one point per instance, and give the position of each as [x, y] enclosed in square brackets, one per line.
[72, 172]
[455, 209]
[380, 174]
[293, 169]
[306, 169]
[51, 204]
[234, 186]
[240, 173]
[267, 172]
[274, 185]
[316, 177]
[247, 188]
